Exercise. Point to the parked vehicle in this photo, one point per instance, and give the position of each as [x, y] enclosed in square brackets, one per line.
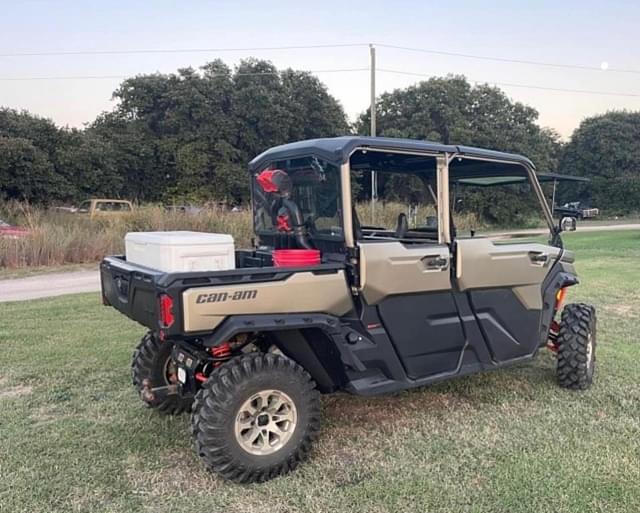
[325, 303]
[576, 210]
[8, 231]
[183, 209]
[100, 207]
[64, 210]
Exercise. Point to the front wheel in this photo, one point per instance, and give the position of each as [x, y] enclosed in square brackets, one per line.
[577, 346]
[256, 417]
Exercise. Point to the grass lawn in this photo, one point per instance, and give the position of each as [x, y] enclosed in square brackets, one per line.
[75, 437]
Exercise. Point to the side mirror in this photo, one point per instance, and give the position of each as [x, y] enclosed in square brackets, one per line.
[568, 224]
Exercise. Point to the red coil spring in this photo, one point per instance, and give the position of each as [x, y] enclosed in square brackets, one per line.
[221, 352]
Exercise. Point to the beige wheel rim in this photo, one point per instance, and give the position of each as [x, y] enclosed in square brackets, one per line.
[265, 422]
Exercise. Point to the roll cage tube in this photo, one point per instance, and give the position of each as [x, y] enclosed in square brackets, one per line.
[347, 212]
[442, 177]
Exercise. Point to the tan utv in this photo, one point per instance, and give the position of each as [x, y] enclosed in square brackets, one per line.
[438, 288]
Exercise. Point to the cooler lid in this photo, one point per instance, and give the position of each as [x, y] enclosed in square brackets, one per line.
[179, 238]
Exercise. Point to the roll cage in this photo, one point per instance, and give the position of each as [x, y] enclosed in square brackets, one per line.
[470, 164]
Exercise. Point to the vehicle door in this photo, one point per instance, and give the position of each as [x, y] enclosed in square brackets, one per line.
[405, 273]
[411, 287]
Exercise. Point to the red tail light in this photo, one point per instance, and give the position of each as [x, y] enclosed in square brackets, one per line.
[167, 318]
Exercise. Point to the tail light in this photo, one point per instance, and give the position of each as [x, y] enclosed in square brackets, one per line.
[560, 295]
[167, 317]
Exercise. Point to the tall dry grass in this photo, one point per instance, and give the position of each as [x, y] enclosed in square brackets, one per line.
[64, 238]
[385, 215]
[59, 238]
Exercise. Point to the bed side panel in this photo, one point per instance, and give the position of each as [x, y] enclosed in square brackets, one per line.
[206, 307]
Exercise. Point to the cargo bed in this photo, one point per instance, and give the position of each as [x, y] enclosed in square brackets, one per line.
[134, 289]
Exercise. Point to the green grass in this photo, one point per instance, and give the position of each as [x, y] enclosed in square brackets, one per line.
[75, 437]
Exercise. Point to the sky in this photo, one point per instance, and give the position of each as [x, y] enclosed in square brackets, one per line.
[585, 33]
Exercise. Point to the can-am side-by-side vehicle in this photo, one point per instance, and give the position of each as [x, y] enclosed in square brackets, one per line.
[325, 302]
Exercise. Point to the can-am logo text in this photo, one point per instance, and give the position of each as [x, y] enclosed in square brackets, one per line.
[219, 297]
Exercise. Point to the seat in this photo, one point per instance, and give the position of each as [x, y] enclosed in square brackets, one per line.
[402, 226]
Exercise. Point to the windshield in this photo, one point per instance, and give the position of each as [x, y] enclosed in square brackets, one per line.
[306, 185]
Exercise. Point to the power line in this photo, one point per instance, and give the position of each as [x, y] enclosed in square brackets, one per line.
[512, 61]
[337, 70]
[241, 74]
[63, 53]
[524, 86]
[178, 50]
[69, 77]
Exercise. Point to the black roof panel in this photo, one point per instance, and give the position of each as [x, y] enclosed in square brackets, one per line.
[337, 149]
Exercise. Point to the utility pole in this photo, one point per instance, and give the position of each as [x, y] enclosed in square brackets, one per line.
[374, 177]
[372, 52]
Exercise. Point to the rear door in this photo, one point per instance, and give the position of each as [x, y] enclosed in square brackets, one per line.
[408, 279]
[411, 287]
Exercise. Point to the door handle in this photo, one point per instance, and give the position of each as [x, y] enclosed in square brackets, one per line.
[537, 257]
[436, 262]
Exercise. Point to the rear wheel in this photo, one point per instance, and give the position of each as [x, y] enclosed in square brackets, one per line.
[154, 376]
[577, 346]
[256, 417]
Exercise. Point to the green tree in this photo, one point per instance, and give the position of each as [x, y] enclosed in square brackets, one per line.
[188, 136]
[606, 149]
[26, 173]
[452, 111]
[87, 162]
[134, 154]
[43, 133]
[28, 158]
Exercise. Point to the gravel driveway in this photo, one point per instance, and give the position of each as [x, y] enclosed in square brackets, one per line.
[48, 285]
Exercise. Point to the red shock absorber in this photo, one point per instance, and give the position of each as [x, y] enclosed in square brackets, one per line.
[552, 343]
[221, 353]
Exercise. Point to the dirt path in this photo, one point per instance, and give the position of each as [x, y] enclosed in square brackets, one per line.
[606, 228]
[48, 285]
[581, 228]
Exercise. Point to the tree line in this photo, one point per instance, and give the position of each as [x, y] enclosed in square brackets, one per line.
[188, 136]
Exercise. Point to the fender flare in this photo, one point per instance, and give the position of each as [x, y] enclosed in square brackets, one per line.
[557, 278]
[316, 341]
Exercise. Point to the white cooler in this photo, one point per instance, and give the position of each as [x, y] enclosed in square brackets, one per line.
[181, 251]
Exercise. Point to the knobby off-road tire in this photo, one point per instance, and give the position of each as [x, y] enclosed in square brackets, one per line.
[256, 417]
[152, 362]
[577, 346]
